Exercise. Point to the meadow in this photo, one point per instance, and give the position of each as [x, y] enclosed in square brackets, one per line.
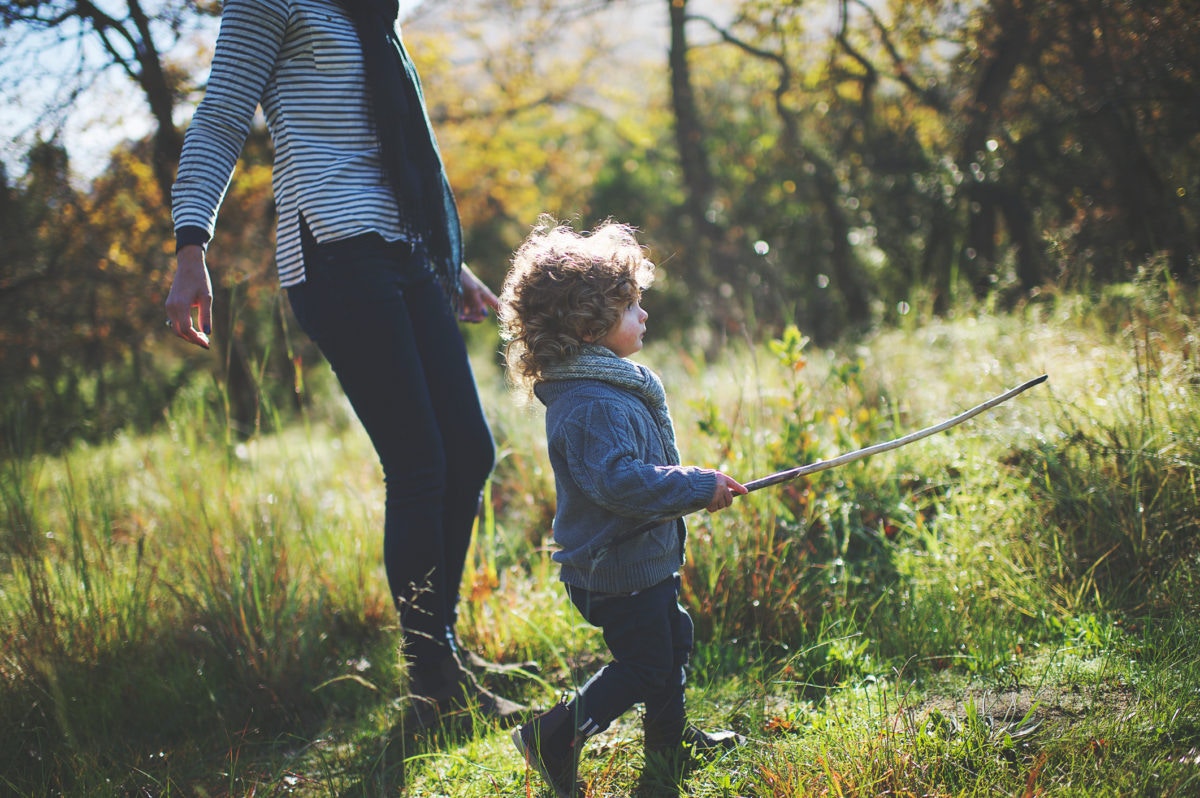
[1006, 608]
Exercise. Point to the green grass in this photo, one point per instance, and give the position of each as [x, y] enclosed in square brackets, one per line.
[1006, 608]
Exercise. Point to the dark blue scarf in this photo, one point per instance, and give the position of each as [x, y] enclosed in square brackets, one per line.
[407, 144]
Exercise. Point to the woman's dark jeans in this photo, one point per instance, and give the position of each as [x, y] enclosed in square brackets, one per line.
[389, 333]
[650, 638]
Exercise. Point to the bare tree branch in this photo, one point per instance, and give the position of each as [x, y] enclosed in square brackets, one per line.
[133, 43]
[901, 71]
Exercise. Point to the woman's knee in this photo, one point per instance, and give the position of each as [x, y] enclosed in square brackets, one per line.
[415, 473]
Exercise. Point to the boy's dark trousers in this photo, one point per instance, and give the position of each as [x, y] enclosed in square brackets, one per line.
[650, 639]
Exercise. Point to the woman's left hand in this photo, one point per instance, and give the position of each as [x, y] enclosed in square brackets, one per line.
[476, 297]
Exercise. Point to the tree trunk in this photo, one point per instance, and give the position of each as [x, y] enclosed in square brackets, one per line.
[998, 64]
[689, 131]
[160, 96]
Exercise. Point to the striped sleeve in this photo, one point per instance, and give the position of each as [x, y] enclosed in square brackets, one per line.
[251, 34]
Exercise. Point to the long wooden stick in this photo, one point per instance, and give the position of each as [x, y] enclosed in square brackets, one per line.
[849, 457]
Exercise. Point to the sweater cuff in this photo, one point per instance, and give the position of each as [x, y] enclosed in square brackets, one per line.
[190, 234]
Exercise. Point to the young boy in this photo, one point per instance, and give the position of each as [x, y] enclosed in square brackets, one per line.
[570, 314]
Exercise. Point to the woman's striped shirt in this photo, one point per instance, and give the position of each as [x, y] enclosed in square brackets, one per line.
[302, 62]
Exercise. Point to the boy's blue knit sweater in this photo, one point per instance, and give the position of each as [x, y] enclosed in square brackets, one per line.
[611, 473]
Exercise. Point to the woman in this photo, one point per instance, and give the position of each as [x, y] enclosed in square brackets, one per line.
[369, 249]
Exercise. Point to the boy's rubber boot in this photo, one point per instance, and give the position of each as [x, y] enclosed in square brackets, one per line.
[550, 744]
[662, 773]
[666, 766]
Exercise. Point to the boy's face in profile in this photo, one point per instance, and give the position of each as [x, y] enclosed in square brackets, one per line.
[625, 337]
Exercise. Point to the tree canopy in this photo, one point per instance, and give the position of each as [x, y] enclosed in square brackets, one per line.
[828, 165]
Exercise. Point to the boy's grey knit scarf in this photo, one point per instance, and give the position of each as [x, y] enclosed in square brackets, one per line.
[600, 363]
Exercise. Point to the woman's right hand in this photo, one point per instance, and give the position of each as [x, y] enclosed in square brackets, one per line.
[191, 288]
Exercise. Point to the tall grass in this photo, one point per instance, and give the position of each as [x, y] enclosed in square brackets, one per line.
[162, 585]
[184, 613]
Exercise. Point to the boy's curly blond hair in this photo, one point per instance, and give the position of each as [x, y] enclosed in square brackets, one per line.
[564, 289]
